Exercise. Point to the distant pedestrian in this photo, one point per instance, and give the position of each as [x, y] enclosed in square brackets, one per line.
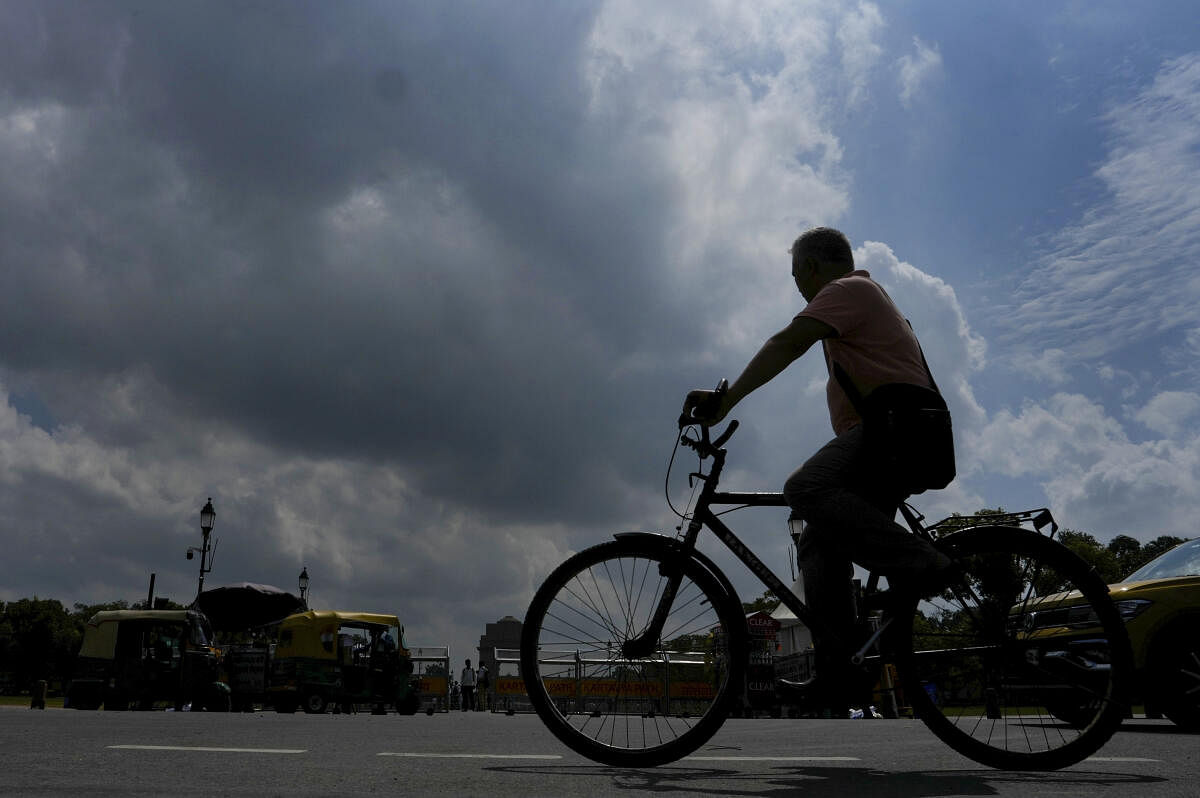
[467, 686]
[484, 685]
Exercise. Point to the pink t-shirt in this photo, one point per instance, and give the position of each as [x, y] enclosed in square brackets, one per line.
[874, 343]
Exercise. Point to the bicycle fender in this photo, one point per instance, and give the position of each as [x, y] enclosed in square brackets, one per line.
[668, 543]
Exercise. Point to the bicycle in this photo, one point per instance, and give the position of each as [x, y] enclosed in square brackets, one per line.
[633, 651]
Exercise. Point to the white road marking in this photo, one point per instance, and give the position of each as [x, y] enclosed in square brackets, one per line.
[1120, 759]
[773, 758]
[421, 755]
[211, 748]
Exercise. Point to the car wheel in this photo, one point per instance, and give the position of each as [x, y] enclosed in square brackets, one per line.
[315, 704]
[1180, 673]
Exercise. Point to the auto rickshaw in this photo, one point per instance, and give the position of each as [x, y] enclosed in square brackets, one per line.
[326, 658]
[140, 657]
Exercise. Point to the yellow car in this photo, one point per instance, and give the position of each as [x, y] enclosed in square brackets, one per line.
[1160, 604]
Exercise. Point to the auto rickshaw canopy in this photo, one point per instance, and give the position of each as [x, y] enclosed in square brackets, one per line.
[100, 635]
[314, 633]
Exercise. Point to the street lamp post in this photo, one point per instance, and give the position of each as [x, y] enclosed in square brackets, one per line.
[208, 517]
[304, 586]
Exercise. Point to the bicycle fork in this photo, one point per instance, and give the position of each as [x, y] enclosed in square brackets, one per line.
[644, 644]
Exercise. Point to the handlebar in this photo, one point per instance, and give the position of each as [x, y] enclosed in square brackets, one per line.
[693, 413]
[690, 417]
[705, 447]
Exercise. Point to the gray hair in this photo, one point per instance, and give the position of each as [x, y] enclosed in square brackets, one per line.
[825, 245]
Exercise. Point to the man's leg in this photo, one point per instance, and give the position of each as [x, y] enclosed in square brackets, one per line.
[840, 490]
[849, 510]
[828, 592]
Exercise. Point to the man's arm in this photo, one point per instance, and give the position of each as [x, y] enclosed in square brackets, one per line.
[775, 355]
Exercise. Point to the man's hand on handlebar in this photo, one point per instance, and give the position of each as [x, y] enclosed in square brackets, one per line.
[705, 407]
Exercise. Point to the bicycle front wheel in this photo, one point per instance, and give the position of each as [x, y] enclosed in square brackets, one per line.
[1027, 665]
[624, 708]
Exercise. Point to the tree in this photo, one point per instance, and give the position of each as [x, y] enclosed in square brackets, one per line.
[37, 641]
[957, 521]
[1160, 545]
[1128, 552]
[1093, 553]
[767, 602]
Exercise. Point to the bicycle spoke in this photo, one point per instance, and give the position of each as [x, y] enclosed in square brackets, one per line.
[999, 673]
[598, 698]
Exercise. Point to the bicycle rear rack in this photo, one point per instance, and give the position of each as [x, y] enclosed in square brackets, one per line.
[1039, 519]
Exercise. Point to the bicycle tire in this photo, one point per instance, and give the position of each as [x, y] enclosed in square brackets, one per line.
[985, 664]
[622, 711]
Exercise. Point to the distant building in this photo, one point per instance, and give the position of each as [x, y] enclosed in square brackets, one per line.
[506, 634]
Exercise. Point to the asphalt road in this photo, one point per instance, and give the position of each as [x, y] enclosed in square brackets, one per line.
[71, 753]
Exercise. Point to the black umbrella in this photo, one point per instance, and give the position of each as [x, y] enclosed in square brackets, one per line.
[232, 608]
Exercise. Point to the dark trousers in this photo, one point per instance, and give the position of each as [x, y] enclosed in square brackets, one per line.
[468, 698]
[849, 507]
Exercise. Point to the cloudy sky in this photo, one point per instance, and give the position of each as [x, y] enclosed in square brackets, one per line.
[414, 291]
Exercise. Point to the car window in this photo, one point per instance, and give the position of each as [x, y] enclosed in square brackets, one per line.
[1183, 560]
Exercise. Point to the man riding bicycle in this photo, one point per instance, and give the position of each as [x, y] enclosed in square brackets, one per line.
[846, 494]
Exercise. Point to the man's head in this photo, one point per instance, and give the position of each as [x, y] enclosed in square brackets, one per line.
[820, 255]
[468, 663]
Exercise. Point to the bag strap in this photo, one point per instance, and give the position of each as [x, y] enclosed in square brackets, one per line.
[851, 390]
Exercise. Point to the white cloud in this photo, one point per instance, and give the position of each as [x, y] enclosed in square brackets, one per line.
[1095, 478]
[915, 71]
[857, 34]
[953, 350]
[1051, 366]
[1126, 271]
[725, 105]
[1167, 412]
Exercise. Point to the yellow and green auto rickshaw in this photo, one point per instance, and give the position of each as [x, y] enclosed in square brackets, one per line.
[141, 657]
[327, 658]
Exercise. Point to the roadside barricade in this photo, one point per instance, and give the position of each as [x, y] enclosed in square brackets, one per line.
[432, 664]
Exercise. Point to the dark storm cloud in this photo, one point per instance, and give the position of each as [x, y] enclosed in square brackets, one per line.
[180, 227]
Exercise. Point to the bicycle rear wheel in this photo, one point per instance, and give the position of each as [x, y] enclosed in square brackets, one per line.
[632, 710]
[1026, 666]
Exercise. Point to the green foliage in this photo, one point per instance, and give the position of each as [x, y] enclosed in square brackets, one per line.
[767, 602]
[39, 638]
[1113, 562]
[1122, 556]
[1154, 548]
[958, 521]
[1090, 550]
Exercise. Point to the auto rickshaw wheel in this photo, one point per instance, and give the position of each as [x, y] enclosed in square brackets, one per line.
[315, 703]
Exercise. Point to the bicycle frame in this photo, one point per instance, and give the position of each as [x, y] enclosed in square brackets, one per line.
[703, 516]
